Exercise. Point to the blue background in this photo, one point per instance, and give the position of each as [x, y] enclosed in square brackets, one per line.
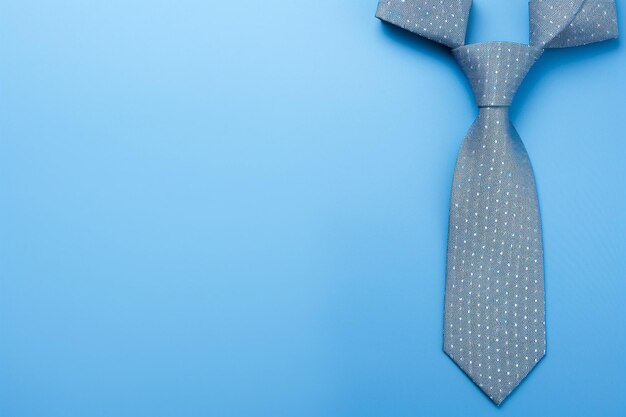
[240, 209]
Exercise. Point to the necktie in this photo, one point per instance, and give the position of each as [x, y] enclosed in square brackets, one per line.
[494, 320]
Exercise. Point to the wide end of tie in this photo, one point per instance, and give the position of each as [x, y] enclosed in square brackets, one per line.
[495, 388]
[494, 314]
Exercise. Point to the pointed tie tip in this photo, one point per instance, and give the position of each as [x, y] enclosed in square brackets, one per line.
[497, 389]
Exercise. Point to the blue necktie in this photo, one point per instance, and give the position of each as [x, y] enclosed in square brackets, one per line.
[494, 324]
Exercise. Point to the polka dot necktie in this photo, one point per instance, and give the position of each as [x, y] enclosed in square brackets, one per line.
[494, 324]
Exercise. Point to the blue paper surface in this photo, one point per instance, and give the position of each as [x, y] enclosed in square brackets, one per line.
[241, 209]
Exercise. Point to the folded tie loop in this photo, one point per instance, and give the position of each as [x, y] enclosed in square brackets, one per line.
[566, 23]
[495, 70]
[441, 21]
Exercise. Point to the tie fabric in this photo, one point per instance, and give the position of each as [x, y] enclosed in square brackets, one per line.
[494, 320]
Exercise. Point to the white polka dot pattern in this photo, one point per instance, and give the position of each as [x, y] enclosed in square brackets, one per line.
[494, 301]
[565, 23]
[494, 304]
[496, 69]
[443, 21]
[550, 17]
[596, 21]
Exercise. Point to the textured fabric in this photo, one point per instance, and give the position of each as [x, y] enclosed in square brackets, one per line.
[441, 21]
[560, 24]
[494, 324]
[596, 21]
[494, 303]
[548, 18]
[496, 69]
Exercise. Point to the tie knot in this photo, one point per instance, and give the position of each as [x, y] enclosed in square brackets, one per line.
[496, 69]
